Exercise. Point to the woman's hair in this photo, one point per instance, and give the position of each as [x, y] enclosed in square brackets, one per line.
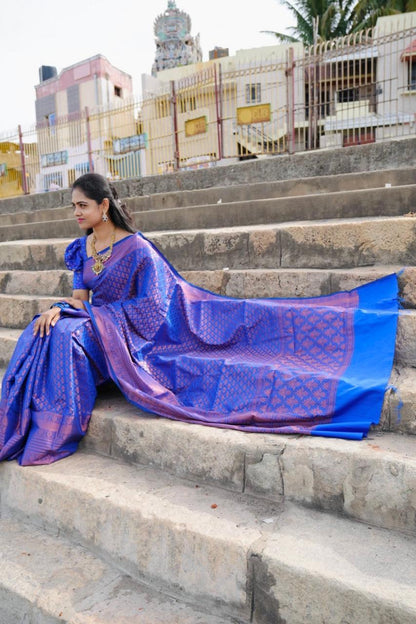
[97, 187]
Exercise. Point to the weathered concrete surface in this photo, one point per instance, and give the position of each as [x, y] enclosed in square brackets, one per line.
[399, 153]
[363, 203]
[400, 403]
[31, 255]
[157, 528]
[396, 201]
[301, 282]
[277, 561]
[252, 553]
[324, 570]
[373, 480]
[204, 454]
[327, 244]
[405, 340]
[320, 185]
[321, 245]
[46, 214]
[8, 340]
[40, 229]
[235, 283]
[17, 311]
[40, 283]
[282, 188]
[49, 580]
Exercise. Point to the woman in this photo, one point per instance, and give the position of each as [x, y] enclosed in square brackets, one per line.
[317, 366]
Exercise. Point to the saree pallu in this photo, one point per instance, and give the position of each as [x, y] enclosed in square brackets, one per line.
[316, 366]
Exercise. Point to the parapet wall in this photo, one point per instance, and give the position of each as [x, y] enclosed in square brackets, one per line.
[372, 157]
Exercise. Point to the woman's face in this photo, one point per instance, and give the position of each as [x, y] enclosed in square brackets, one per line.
[87, 212]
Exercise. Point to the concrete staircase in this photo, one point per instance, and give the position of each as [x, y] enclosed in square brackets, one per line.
[158, 521]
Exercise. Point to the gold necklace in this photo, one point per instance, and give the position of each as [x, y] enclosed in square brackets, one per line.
[100, 259]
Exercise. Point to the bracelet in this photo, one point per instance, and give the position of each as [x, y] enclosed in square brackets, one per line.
[62, 305]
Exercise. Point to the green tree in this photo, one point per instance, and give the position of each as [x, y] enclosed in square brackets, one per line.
[368, 11]
[318, 20]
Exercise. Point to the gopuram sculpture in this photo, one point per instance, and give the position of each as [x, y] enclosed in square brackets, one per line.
[175, 45]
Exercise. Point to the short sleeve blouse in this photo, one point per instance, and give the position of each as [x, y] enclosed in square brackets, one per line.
[74, 260]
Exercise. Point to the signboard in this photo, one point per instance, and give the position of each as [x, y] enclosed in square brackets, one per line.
[196, 126]
[130, 144]
[54, 159]
[253, 114]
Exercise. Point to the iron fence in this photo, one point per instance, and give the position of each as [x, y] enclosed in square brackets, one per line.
[349, 91]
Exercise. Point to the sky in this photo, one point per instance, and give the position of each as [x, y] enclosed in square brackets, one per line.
[57, 33]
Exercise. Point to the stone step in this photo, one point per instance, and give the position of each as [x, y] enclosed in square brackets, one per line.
[300, 282]
[268, 562]
[372, 480]
[45, 210]
[46, 579]
[327, 244]
[59, 228]
[277, 189]
[35, 216]
[338, 476]
[331, 244]
[17, 311]
[250, 283]
[34, 254]
[393, 201]
[347, 204]
[8, 341]
[56, 283]
[398, 154]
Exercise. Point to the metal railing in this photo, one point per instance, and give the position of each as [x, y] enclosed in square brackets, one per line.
[349, 91]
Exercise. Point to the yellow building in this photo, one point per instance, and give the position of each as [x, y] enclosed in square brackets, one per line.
[12, 175]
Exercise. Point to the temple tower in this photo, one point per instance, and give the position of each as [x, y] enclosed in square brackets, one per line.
[175, 45]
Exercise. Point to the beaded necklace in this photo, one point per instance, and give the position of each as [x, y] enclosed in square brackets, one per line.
[100, 259]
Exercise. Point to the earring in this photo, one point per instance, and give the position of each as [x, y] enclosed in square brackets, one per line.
[105, 218]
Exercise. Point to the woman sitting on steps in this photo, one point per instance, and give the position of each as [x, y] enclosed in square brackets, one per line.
[315, 366]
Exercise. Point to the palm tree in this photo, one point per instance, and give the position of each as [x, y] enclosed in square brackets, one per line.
[368, 11]
[318, 20]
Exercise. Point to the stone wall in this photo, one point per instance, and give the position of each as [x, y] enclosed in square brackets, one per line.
[372, 157]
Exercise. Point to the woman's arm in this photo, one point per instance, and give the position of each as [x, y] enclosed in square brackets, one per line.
[49, 318]
[77, 296]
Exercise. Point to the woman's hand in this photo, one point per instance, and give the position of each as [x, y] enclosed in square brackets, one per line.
[45, 321]
[48, 319]
[78, 304]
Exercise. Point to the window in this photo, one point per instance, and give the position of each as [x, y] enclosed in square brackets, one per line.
[253, 93]
[162, 108]
[118, 91]
[73, 101]
[412, 74]
[51, 121]
[348, 95]
[186, 103]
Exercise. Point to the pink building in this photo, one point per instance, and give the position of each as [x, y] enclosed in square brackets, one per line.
[70, 141]
[93, 82]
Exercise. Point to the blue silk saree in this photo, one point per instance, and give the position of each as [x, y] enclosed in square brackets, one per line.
[316, 366]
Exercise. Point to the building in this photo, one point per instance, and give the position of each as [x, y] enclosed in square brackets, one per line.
[285, 98]
[80, 93]
[175, 45]
[208, 106]
[368, 91]
[218, 52]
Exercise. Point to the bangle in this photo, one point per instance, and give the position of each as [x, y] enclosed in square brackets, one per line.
[62, 305]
